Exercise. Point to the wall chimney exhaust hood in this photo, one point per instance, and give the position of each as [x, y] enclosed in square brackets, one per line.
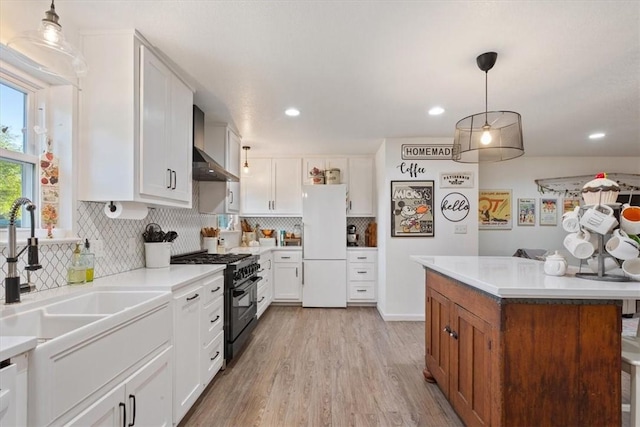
[205, 168]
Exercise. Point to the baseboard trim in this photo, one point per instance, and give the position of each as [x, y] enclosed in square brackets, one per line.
[401, 317]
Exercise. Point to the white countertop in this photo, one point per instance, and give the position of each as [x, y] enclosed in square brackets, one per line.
[13, 346]
[511, 277]
[259, 250]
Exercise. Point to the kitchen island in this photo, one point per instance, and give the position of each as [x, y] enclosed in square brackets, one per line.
[511, 346]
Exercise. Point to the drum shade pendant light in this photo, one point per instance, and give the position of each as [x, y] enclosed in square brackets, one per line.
[491, 136]
[245, 166]
[49, 49]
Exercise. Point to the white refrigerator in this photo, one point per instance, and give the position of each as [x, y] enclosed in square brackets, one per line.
[324, 246]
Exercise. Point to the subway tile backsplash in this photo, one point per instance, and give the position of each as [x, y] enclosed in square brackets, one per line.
[123, 244]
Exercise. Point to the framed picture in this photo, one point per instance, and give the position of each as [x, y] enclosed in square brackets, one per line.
[548, 211]
[412, 209]
[494, 209]
[526, 211]
[569, 204]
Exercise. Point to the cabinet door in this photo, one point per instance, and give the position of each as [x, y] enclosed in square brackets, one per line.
[233, 153]
[437, 340]
[233, 197]
[287, 190]
[187, 351]
[360, 187]
[287, 281]
[155, 126]
[469, 387]
[179, 151]
[256, 188]
[108, 411]
[148, 393]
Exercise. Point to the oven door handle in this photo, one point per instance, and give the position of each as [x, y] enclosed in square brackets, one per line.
[237, 294]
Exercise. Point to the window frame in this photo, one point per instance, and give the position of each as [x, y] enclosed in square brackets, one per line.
[35, 91]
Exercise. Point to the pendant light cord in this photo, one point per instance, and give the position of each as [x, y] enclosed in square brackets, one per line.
[486, 98]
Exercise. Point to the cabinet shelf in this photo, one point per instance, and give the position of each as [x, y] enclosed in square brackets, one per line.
[571, 186]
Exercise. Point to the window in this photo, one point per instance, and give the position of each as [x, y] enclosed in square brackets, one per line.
[18, 155]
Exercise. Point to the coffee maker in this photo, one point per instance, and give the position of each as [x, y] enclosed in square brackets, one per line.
[352, 236]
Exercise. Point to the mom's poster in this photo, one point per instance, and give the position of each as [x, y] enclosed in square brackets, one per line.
[412, 209]
[494, 209]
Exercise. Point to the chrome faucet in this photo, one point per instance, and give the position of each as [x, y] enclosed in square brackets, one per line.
[12, 287]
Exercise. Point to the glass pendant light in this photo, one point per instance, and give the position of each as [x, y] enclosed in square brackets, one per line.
[491, 136]
[245, 166]
[47, 50]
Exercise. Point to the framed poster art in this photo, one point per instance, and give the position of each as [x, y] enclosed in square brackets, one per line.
[526, 211]
[569, 204]
[548, 211]
[494, 210]
[412, 209]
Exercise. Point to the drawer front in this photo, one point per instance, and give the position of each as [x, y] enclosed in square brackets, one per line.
[284, 256]
[212, 288]
[358, 292]
[362, 256]
[212, 358]
[362, 272]
[213, 320]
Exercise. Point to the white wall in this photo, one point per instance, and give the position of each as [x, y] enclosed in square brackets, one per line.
[519, 175]
[400, 280]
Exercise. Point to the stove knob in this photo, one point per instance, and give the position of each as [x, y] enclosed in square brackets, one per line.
[237, 276]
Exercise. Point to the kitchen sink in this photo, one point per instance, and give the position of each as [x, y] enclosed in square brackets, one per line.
[101, 302]
[44, 326]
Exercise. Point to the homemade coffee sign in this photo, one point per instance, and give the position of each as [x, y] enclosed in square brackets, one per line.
[426, 151]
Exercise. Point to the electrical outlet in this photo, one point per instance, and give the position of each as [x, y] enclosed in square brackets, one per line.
[97, 247]
[460, 229]
[131, 246]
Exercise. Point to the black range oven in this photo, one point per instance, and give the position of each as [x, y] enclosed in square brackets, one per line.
[240, 294]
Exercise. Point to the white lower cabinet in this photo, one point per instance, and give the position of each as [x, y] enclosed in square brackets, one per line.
[144, 399]
[361, 275]
[287, 276]
[265, 286]
[212, 329]
[187, 383]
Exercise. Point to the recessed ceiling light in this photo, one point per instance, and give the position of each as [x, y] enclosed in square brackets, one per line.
[436, 111]
[292, 112]
[596, 135]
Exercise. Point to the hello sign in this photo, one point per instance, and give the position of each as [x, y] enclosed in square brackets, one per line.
[455, 207]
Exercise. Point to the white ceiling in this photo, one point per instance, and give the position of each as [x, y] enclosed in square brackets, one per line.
[363, 71]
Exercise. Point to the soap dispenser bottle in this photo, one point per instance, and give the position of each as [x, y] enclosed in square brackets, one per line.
[76, 272]
[88, 260]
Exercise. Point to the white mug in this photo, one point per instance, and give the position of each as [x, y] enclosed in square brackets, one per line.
[609, 264]
[211, 244]
[599, 219]
[631, 268]
[571, 220]
[630, 219]
[578, 244]
[621, 246]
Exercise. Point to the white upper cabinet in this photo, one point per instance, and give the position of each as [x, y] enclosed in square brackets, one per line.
[135, 124]
[272, 187]
[224, 145]
[361, 198]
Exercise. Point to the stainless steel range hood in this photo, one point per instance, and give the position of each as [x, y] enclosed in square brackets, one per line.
[205, 168]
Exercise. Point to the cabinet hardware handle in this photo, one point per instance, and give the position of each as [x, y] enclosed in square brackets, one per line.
[175, 179]
[231, 194]
[362, 272]
[269, 264]
[216, 319]
[214, 357]
[296, 271]
[169, 171]
[124, 413]
[362, 257]
[274, 205]
[215, 290]
[447, 329]
[132, 423]
[361, 290]
[286, 257]
[261, 299]
[349, 204]
[193, 297]
[454, 335]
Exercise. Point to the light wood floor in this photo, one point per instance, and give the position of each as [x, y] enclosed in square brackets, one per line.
[326, 367]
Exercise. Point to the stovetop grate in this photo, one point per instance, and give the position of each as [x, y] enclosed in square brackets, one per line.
[205, 258]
